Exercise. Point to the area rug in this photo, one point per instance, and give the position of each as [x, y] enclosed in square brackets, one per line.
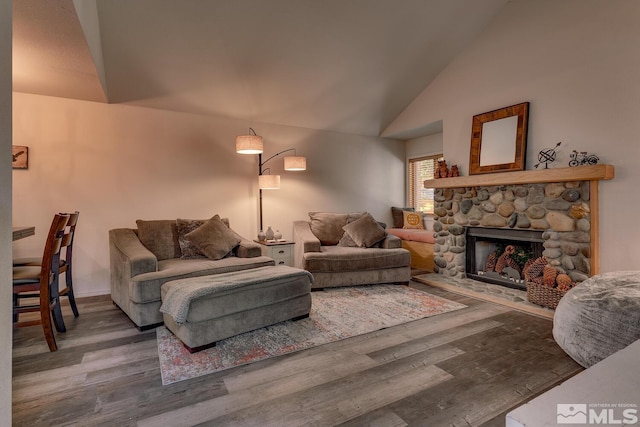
[336, 314]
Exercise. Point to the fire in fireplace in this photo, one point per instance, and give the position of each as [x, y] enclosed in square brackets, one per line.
[498, 255]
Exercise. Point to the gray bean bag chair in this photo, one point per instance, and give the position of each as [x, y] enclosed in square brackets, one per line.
[599, 317]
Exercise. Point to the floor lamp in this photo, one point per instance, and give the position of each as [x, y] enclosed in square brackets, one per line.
[254, 144]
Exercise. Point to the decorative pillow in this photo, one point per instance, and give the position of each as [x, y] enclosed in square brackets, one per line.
[214, 238]
[365, 231]
[347, 242]
[398, 217]
[186, 226]
[160, 237]
[327, 226]
[413, 220]
[188, 249]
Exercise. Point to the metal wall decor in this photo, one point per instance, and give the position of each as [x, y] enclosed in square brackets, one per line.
[579, 158]
[547, 155]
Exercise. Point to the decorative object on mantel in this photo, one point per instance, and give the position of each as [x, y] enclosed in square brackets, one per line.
[580, 158]
[253, 144]
[442, 171]
[547, 155]
[20, 157]
[499, 139]
[454, 171]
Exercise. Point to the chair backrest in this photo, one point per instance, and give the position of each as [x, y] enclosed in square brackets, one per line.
[51, 258]
[70, 231]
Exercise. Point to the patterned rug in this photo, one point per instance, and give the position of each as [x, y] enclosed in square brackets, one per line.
[336, 314]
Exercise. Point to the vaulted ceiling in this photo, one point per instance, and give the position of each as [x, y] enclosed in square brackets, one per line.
[341, 65]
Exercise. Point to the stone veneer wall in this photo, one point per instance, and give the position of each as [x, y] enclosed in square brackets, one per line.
[560, 209]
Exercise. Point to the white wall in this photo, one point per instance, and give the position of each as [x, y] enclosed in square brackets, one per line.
[5, 211]
[577, 62]
[428, 145]
[117, 163]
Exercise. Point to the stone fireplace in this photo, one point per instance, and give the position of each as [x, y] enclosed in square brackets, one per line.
[555, 211]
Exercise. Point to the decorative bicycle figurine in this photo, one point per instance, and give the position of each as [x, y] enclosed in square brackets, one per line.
[579, 158]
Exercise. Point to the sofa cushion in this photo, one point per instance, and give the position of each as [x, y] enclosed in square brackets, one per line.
[336, 259]
[365, 231]
[327, 226]
[412, 220]
[214, 238]
[160, 237]
[398, 218]
[413, 235]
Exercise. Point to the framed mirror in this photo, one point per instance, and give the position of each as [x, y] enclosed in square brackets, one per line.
[499, 140]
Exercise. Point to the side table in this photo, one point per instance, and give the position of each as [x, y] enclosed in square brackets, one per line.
[280, 251]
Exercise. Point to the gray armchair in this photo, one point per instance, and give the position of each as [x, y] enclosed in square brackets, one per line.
[144, 259]
[325, 249]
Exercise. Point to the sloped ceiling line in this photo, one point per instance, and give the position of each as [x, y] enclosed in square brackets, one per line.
[87, 11]
[344, 66]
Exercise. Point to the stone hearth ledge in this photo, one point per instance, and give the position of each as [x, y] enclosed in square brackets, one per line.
[512, 298]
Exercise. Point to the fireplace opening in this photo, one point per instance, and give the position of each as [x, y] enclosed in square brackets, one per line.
[498, 255]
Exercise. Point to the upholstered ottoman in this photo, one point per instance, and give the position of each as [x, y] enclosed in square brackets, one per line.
[203, 310]
[599, 317]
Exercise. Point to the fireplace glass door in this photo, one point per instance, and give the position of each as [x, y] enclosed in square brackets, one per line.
[497, 255]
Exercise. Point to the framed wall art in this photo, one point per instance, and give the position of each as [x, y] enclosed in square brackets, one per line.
[20, 157]
[499, 140]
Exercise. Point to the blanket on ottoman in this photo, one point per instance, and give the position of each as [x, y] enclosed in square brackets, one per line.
[178, 298]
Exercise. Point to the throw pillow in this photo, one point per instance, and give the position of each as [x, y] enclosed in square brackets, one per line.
[347, 242]
[365, 231]
[412, 220]
[188, 249]
[160, 237]
[214, 238]
[327, 226]
[398, 217]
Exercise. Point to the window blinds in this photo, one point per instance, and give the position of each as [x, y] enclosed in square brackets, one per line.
[421, 169]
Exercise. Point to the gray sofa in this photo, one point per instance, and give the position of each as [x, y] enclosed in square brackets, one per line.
[144, 258]
[325, 248]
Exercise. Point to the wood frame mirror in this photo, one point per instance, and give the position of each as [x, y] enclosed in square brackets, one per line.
[499, 140]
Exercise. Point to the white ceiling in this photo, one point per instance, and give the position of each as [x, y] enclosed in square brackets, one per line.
[342, 65]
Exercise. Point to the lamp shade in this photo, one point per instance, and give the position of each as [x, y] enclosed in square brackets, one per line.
[249, 144]
[295, 163]
[269, 182]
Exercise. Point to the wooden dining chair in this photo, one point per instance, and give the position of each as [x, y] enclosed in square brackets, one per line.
[40, 283]
[66, 261]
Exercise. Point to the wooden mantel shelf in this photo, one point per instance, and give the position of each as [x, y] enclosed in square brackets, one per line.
[578, 173]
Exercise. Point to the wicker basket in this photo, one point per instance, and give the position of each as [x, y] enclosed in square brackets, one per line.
[543, 295]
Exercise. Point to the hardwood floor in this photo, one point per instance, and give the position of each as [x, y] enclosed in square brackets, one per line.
[464, 368]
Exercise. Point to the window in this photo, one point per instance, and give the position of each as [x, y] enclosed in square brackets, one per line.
[420, 169]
